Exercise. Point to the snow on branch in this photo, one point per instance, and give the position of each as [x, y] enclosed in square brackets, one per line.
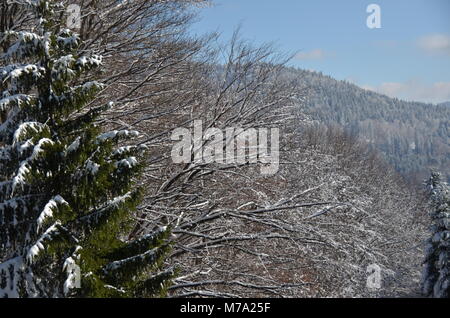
[89, 61]
[26, 44]
[126, 163]
[63, 66]
[39, 246]
[96, 216]
[92, 167]
[142, 244]
[67, 39]
[116, 134]
[15, 204]
[21, 76]
[74, 145]
[11, 267]
[25, 128]
[129, 149]
[128, 265]
[24, 168]
[49, 208]
[13, 100]
[71, 269]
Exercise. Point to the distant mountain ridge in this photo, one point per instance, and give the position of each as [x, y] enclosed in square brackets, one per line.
[413, 136]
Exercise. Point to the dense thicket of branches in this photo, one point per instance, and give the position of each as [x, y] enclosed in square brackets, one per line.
[311, 230]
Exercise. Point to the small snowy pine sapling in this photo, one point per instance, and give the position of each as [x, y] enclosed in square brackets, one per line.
[436, 272]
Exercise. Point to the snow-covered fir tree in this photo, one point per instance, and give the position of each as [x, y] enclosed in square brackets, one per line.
[436, 273]
[67, 194]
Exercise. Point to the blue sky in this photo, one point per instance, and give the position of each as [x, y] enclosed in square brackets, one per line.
[408, 57]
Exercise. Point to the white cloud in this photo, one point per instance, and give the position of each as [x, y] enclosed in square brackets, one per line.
[315, 54]
[435, 44]
[414, 90]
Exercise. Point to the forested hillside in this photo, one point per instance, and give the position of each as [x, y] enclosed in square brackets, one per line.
[413, 136]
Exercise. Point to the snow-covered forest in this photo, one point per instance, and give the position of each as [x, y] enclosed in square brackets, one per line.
[413, 137]
[92, 204]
